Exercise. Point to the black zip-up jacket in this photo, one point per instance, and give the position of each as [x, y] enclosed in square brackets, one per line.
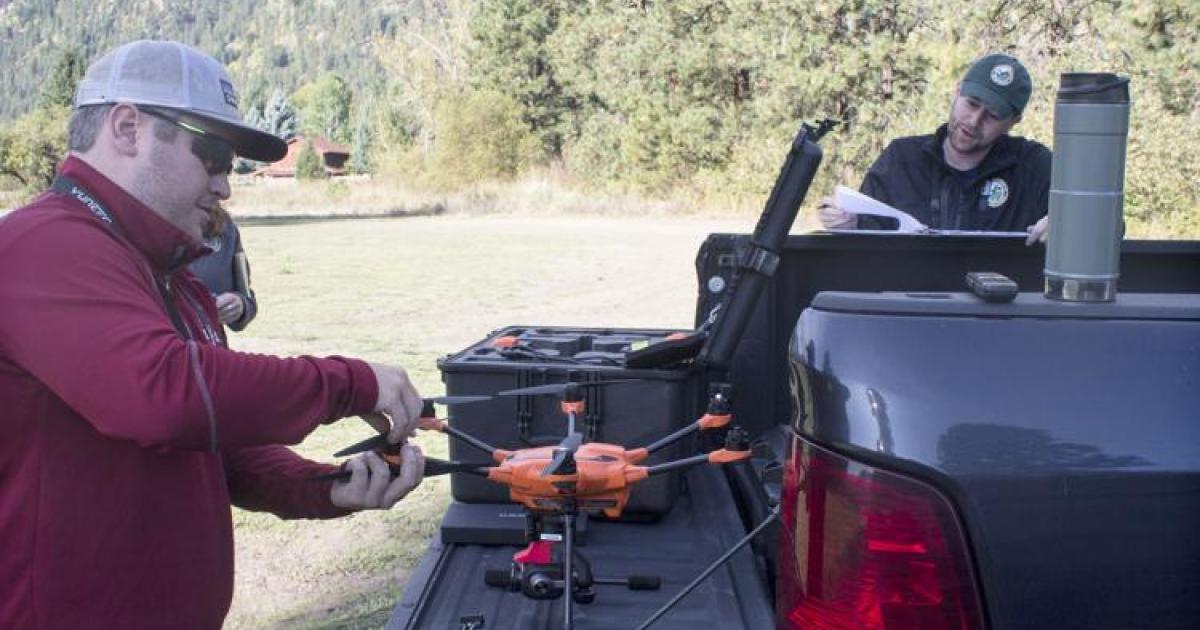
[218, 271]
[1008, 192]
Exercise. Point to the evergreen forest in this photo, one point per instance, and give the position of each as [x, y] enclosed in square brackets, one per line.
[691, 99]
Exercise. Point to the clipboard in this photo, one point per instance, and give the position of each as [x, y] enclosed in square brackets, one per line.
[241, 273]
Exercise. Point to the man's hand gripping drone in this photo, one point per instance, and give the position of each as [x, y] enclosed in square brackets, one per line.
[564, 481]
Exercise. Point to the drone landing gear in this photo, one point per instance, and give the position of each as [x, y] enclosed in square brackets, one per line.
[545, 568]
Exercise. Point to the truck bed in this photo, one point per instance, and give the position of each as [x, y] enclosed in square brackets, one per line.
[448, 584]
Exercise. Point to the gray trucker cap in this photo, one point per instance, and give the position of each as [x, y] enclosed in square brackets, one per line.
[190, 83]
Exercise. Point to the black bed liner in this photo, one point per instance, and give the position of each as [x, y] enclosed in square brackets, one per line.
[448, 582]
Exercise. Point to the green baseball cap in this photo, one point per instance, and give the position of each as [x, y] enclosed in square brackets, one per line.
[1001, 82]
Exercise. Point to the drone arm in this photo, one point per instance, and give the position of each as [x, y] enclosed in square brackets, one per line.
[726, 456]
[722, 456]
[707, 421]
[435, 424]
[666, 441]
[686, 462]
[501, 475]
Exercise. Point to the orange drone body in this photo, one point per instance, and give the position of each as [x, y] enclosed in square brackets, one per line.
[604, 474]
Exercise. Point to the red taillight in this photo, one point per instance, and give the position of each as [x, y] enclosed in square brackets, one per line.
[866, 549]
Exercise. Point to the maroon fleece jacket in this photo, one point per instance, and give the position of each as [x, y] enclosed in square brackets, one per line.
[123, 441]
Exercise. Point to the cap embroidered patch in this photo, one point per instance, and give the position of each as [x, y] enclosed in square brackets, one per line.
[1002, 75]
[231, 98]
[996, 191]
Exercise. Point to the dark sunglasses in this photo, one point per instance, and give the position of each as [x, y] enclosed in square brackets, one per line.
[214, 153]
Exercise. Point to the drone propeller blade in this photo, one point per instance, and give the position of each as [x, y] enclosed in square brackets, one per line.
[369, 444]
[380, 441]
[433, 468]
[557, 389]
[458, 400]
[564, 456]
[534, 391]
[572, 442]
[558, 465]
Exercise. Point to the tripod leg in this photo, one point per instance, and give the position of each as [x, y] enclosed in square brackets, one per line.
[585, 581]
[633, 582]
[583, 571]
[568, 578]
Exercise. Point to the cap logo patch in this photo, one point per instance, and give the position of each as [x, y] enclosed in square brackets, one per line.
[1002, 75]
[996, 192]
[231, 98]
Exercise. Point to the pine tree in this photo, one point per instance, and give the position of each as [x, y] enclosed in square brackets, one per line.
[512, 56]
[279, 117]
[360, 146]
[308, 163]
[59, 88]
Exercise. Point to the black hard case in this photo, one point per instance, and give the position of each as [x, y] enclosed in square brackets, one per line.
[629, 414]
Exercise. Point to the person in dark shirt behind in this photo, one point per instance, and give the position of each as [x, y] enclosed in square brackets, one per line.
[226, 272]
[970, 174]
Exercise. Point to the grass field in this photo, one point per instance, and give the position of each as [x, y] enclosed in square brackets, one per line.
[406, 291]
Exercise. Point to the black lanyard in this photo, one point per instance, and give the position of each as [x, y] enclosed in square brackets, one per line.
[69, 187]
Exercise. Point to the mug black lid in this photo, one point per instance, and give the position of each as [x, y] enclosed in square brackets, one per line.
[1093, 87]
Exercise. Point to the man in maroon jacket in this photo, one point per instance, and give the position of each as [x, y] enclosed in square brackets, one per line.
[127, 428]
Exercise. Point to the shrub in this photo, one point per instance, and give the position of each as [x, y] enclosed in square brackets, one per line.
[480, 136]
[308, 163]
[32, 146]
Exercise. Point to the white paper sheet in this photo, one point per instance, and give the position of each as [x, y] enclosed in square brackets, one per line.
[855, 202]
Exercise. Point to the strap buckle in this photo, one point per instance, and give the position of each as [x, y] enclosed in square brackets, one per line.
[760, 260]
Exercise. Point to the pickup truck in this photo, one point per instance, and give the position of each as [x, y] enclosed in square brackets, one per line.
[937, 461]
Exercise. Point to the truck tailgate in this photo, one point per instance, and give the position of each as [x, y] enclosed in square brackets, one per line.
[448, 583]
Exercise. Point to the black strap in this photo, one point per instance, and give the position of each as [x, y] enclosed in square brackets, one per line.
[760, 260]
[172, 312]
[66, 186]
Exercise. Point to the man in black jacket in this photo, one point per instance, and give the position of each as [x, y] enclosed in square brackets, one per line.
[970, 174]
